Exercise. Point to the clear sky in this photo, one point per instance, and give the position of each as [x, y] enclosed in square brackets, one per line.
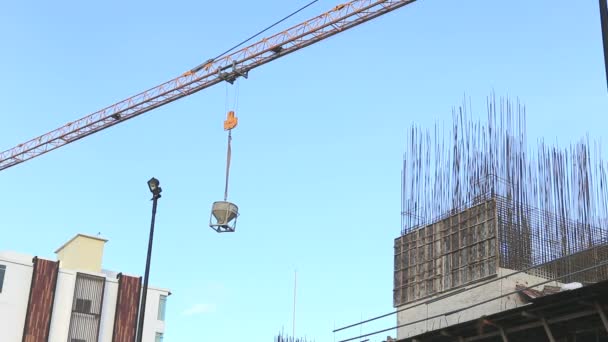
[316, 157]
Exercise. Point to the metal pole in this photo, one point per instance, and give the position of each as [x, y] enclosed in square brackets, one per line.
[604, 21]
[295, 281]
[547, 329]
[600, 311]
[142, 310]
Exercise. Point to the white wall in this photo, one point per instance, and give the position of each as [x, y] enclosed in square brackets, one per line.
[15, 294]
[152, 325]
[60, 323]
[62, 307]
[463, 299]
[108, 311]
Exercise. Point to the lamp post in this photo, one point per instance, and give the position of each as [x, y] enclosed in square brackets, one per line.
[155, 189]
[604, 22]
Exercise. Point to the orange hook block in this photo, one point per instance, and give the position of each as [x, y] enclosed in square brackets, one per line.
[231, 121]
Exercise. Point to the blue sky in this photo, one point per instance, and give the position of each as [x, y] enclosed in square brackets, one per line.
[316, 157]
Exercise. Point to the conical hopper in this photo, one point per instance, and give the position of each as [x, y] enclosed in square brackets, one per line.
[224, 212]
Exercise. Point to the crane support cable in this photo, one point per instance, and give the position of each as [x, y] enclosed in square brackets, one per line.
[200, 66]
[227, 68]
[266, 29]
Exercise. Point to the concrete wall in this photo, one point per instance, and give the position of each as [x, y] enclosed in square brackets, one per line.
[447, 254]
[464, 299]
[15, 294]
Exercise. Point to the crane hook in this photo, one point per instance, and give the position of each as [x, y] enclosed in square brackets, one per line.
[231, 121]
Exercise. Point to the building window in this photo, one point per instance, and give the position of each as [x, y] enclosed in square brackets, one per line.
[162, 304]
[2, 271]
[86, 308]
[82, 305]
[159, 337]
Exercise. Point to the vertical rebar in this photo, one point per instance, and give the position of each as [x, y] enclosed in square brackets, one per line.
[551, 201]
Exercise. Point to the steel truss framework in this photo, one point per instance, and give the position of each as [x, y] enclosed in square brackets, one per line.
[226, 68]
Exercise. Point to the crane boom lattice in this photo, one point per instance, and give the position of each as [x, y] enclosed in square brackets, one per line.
[225, 68]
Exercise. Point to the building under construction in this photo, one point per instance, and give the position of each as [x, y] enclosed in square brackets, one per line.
[490, 224]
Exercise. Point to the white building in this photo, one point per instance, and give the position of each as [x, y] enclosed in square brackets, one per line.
[73, 299]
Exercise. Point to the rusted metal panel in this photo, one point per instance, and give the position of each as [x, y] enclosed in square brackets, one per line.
[127, 306]
[40, 303]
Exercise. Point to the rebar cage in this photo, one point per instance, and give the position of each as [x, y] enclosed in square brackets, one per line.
[471, 244]
[476, 198]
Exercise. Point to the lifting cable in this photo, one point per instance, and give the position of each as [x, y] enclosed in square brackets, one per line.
[231, 119]
[230, 123]
[228, 154]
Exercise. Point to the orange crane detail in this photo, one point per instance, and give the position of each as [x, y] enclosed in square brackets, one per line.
[228, 68]
[231, 121]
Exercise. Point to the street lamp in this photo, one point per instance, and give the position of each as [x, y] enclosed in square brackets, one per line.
[155, 189]
[154, 186]
[604, 23]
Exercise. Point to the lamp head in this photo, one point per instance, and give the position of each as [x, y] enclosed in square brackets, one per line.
[154, 186]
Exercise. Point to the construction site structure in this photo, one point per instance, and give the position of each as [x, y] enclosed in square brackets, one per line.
[489, 223]
[281, 337]
[227, 67]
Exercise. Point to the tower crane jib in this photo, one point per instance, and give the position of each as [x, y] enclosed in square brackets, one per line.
[225, 68]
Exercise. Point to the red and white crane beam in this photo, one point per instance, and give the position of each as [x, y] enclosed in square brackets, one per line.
[225, 68]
